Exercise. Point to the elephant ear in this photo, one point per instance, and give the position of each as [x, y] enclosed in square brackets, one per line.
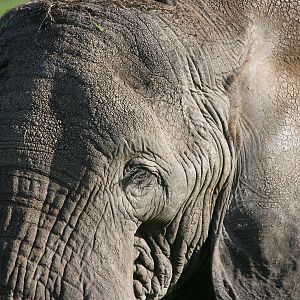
[256, 252]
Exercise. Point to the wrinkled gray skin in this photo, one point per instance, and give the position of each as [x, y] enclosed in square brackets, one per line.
[127, 128]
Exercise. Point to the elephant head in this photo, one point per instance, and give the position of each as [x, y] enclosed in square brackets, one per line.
[119, 147]
[112, 165]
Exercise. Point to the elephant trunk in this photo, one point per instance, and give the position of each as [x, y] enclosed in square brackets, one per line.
[58, 244]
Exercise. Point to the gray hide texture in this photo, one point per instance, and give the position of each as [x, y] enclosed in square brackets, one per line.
[150, 150]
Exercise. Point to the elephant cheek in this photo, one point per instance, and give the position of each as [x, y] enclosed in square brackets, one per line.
[52, 246]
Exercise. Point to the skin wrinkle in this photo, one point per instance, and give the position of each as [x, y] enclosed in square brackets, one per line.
[47, 242]
[204, 15]
[174, 71]
[15, 266]
[37, 233]
[162, 50]
[22, 288]
[155, 272]
[176, 251]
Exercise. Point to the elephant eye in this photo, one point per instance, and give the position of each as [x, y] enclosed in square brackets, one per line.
[139, 180]
[144, 188]
[140, 177]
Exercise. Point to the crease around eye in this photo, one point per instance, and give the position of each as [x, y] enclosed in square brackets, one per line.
[140, 176]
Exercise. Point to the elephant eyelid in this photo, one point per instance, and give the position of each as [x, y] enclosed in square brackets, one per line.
[140, 174]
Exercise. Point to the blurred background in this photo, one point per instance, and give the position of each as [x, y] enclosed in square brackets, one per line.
[8, 4]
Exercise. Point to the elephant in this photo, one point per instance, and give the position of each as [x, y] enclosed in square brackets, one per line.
[149, 149]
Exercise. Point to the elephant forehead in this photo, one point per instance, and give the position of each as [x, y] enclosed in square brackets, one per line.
[70, 86]
[44, 109]
[101, 102]
[50, 84]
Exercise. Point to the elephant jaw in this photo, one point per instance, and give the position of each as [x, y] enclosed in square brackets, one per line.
[51, 243]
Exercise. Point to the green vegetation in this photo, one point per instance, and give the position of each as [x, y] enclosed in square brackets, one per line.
[8, 4]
